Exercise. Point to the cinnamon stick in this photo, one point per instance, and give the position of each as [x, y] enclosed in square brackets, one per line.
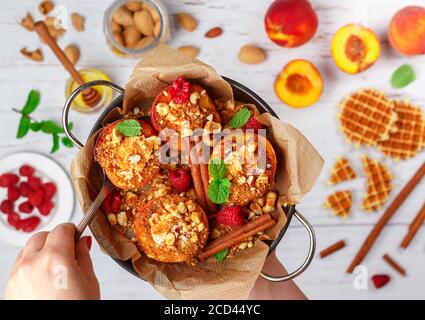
[398, 201]
[331, 249]
[413, 228]
[196, 177]
[237, 236]
[394, 264]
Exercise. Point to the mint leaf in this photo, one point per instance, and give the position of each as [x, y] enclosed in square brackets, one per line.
[55, 146]
[35, 126]
[403, 76]
[51, 127]
[221, 255]
[33, 101]
[67, 142]
[217, 168]
[129, 128]
[24, 127]
[240, 118]
[219, 190]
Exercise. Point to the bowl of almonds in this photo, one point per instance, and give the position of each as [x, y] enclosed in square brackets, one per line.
[133, 28]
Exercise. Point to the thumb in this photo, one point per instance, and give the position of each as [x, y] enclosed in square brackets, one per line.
[82, 255]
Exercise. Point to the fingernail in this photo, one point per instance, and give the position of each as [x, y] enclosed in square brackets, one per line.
[89, 242]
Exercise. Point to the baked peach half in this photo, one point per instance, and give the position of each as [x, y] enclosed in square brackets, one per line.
[407, 31]
[129, 162]
[299, 84]
[183, 107]
[355, 48]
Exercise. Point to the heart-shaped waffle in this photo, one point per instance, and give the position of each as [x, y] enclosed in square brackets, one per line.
[366, 117]
[378, 184]
[342, 171]
[340, 203]
[409, 138]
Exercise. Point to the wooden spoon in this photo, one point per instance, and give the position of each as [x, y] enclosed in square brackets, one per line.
[90, 95]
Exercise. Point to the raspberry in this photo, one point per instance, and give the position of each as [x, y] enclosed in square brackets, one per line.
[6, 206]
[112, 203]
[34, 183]
[49, 190]
[13, 193]
[26, 170]
[26, 207]
[46, 207]
[380, 280]
[28, 224]
[13, 219]
[25, 189]
[8, 180]
[232, 216]
[179, 90]
[180, 179]
[254, 124]
[36, 198]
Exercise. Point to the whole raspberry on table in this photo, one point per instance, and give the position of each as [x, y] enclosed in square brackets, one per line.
[8, 179]
[13, 219]
[26, 170]
[254, 124]
[179, 90]
[233, 216]
[180, 179]
[28, 224]
[26, 207]
[46, 207]
[49, 190]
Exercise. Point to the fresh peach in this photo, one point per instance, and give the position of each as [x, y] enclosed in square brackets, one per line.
[299, 84]
[290, 23]
[407, 31]
[355, 48]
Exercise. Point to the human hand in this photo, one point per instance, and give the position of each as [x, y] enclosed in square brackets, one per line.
[52, 267]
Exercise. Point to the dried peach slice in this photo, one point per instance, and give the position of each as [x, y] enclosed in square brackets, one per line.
[299, 84]
[355, 48]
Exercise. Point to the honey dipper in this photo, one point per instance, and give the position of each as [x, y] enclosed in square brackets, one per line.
[90, 95]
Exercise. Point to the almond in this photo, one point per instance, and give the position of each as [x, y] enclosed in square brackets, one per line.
[214, 32]
[251, 54]
[144, 22]
[118, 38]
[36, 55]
[134, 6]
[45, 7]
[131, 36]
[186, 21]
[123, 17]
[77, 21]
[153, 12]
[144, 42]
[189, 50]
[116, 27]
[28, 22]
[157, 29]
[72, 52]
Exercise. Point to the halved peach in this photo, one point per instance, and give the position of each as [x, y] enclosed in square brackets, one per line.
[299, 84]
[355, 48]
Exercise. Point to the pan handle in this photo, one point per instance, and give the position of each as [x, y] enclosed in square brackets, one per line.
[74, 94]
[307, 261]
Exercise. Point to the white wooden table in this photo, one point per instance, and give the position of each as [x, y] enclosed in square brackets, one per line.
[242, 21]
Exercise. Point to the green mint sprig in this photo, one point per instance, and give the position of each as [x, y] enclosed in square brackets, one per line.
[219, 188]
[129, 128]
[240, 118]
[221, 255]
[403, 76]
[27, 124]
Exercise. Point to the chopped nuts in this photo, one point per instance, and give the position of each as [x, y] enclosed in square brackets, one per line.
[191, 204]
[255, 208]
[162, 108]
[182, 207]
[122, 218]
[170, 239]
[77, 21]
[135, 158]
[243, 245]
[262, 179]
[195, 217]
[194, 238]
[201, 227]
[45, 7]
[36, 55]
[112, 218]
[194, 97]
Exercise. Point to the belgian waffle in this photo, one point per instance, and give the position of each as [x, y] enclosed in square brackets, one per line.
[342, 171]
[366, 117]
[340, 203]
[409, 139]
[378, 184]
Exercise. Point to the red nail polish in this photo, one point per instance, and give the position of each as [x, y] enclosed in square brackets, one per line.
[89, 242]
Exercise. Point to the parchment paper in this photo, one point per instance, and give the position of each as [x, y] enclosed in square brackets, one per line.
[299, 167]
